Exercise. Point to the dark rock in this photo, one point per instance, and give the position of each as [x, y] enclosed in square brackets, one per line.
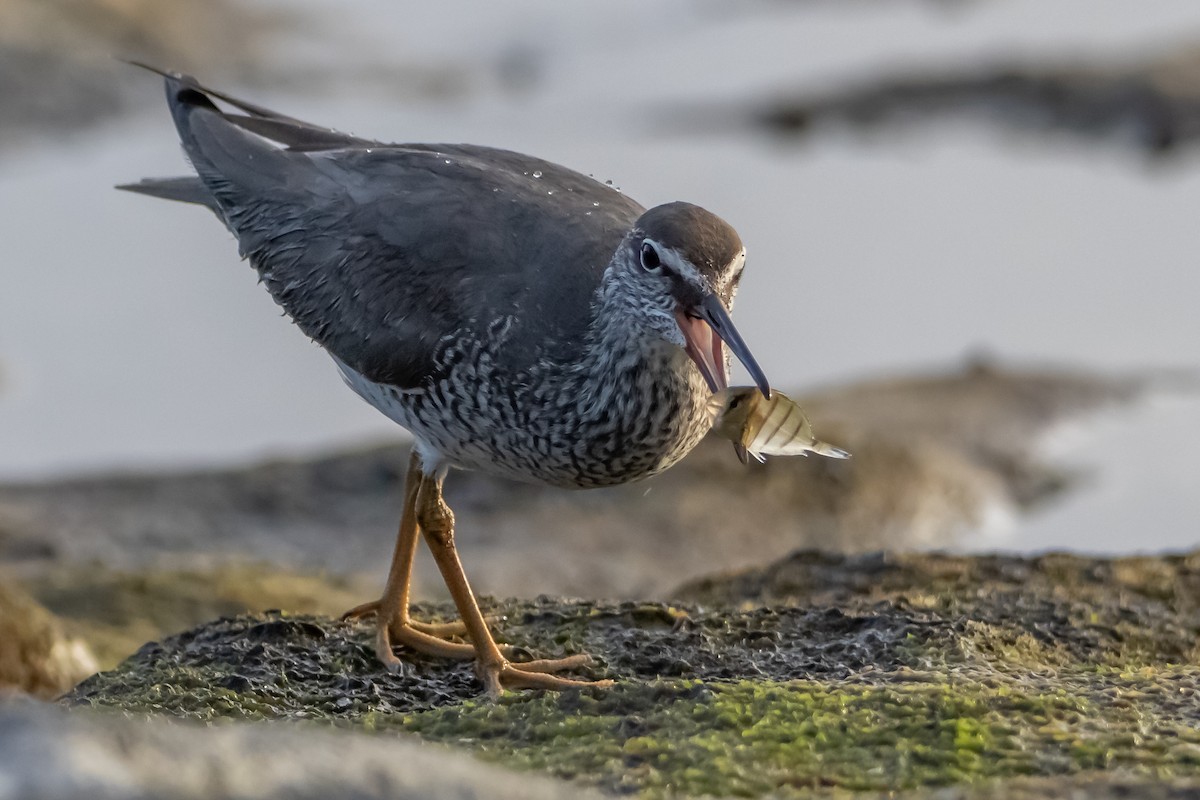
[1151, 105]
[286, 666]
[930, 675]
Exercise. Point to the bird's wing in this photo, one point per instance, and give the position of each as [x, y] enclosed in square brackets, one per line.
[387, 255]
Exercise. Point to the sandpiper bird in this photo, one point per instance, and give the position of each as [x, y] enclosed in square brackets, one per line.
[516, 316]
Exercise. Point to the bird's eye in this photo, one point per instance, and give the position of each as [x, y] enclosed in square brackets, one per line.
[735, 402]
[650, 260]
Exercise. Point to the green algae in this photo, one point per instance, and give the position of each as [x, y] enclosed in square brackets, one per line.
[997, 673]
[750, 739]
[742, 739]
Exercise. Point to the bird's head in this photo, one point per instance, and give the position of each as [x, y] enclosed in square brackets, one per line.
[683, 264]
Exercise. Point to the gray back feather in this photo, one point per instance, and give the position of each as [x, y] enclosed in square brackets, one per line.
[387, 254]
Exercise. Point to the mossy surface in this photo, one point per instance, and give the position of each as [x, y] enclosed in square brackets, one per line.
[300, 666]
[975, 678]
[753, 738]
[1027, 612]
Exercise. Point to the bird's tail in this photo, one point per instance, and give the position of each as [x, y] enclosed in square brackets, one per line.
[185, 189]
[235, 155]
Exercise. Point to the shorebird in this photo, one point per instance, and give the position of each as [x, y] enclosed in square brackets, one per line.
[514, 315]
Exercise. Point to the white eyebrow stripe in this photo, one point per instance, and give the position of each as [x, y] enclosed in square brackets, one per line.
[675, 261]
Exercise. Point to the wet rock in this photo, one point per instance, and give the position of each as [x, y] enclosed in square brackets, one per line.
[939, 676]
[58, 67]
[935, 458]
[50, 753]
[301, 666]
[1151, 105]
[1119, 610]
[36, 656]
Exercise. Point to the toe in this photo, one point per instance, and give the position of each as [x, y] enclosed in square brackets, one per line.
[365, 610]
[383, 650]
[536, 675]
[456, 628]
[514, 678]
[547, 665]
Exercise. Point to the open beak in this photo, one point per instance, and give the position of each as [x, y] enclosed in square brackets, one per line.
[705, 327]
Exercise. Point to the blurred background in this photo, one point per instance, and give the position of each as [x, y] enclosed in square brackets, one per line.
[920, 185]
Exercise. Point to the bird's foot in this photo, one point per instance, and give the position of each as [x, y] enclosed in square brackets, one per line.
[442, 630]
[501, 674]
[429, 638]
[387, 636]
[497, 672]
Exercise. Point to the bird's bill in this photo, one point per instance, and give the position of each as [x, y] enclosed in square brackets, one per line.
[705, 327]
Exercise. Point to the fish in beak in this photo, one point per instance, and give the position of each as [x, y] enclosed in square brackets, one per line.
[706, 329]
[759, 427]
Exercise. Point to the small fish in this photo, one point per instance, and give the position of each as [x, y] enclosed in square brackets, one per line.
[766, 427]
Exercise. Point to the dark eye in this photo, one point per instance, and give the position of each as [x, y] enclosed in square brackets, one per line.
[650, 259]
[735, 402]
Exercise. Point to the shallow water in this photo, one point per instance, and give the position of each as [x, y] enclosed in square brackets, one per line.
[131, 336]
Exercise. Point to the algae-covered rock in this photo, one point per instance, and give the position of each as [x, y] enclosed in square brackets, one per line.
[1123, 612]
[930, 675]
[36, 656]
[276, 665]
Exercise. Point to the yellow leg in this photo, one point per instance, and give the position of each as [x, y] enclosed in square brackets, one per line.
[436, 522]
[391, 610]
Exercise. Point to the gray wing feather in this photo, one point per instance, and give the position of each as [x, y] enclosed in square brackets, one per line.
[388, 254]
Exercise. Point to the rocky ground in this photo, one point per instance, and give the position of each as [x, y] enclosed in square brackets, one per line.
[211, 598]
[1151, 105]
[848, 676]
[819, 675]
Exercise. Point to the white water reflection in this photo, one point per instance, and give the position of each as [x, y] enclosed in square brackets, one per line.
[130, 335]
